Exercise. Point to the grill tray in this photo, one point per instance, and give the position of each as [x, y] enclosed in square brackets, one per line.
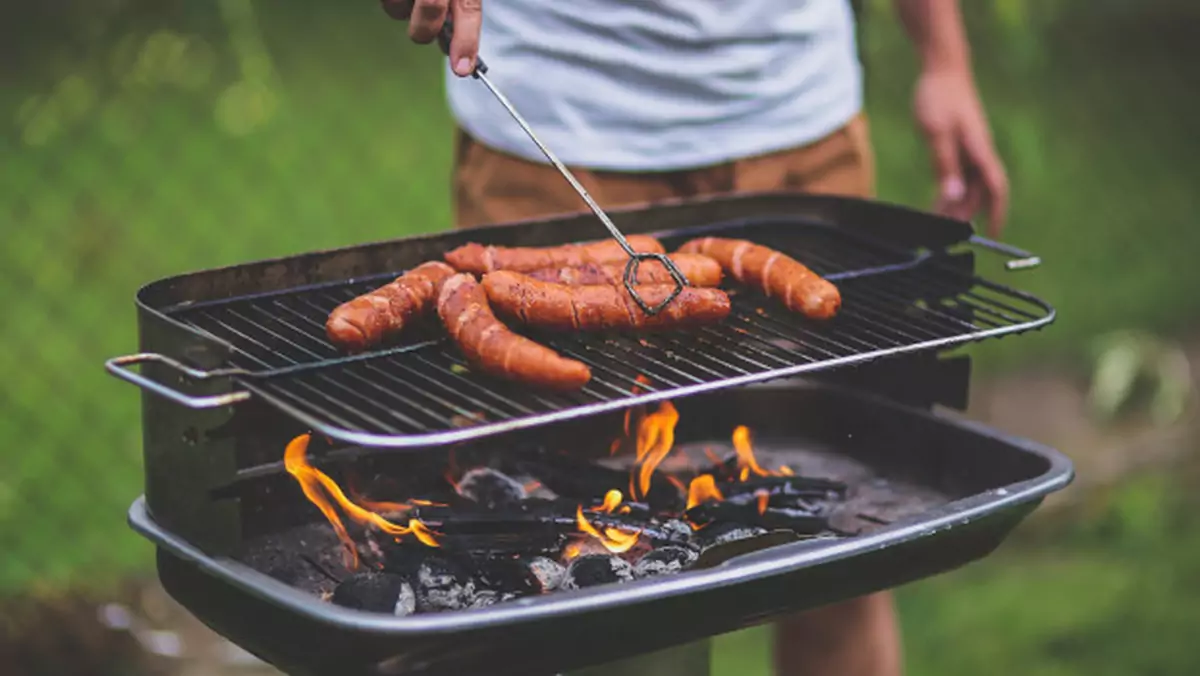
[899, 296]
[989, 483]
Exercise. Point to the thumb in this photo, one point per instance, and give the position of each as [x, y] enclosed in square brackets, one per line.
[948, 167]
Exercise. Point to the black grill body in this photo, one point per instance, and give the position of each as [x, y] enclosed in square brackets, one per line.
[213, 436]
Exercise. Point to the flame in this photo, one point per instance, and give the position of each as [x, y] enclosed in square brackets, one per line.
[746, 460]
[702, 489]
[763, 499]
[312, 480]
[613, 539]
[572, 550]
[612, 500]
[655, 439]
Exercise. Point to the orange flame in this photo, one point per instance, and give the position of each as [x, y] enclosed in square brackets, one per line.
[764, 498]
[613, 539]
[702, 489]
[655, 439]
[312, 480]
[746, 460]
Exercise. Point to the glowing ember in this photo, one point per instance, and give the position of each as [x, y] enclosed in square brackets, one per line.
[313, 480]
[746, 460]
[763, 499]
[702, 489]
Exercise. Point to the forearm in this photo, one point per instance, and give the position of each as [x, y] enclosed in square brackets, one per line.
[937, 32]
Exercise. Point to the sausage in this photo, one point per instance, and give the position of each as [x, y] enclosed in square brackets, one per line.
[492, 348]
[370, 318]
[600, 306]
[772, 272]
[478, 259]
[699, 271]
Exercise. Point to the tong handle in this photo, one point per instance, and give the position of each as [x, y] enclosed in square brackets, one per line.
[635, 258]
[118, 366]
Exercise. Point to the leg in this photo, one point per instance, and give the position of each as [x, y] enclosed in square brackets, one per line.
[859, 637]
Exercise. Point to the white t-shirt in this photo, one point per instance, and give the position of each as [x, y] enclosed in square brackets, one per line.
[657, 85]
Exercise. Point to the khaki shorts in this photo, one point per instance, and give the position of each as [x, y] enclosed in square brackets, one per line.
[493, 187]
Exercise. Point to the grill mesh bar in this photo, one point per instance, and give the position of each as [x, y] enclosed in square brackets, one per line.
[421, 392]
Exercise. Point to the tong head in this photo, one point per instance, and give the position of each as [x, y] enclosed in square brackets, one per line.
[631, 268]
[444, 38]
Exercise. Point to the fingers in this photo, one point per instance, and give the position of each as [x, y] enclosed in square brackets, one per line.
[464, 48]
[987, 164]
[948, 167]
[426, 20]
[399, 10]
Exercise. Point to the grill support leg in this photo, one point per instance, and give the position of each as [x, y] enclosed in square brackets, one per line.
[689, 659]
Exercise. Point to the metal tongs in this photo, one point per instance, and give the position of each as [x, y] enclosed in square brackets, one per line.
[635, 257]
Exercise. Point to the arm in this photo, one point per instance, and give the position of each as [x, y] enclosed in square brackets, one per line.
[950, 113]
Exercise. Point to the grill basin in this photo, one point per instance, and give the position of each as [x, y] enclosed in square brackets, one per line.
[984, 482]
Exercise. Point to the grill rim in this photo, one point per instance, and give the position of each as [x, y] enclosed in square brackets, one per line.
[774, 561]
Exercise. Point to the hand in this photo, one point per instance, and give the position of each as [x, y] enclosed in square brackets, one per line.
[969, 171]
[425, 19]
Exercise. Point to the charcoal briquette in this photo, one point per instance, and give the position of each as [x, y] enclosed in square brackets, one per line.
[677, 529]
[441, 585]
[591, 570]
[664, 561]
[721, 533]
[376, 592]
[549, 573]
[490, 488]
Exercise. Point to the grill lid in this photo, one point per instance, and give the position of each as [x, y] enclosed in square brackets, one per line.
[419, 391]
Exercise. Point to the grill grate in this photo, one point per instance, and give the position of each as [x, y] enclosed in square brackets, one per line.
[420, 391]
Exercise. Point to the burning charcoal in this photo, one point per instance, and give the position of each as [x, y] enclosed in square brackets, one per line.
[550, 573]
[510, 575]
[490, 488]
[664, 561]
[591, 570]
[783, 491]
[798, 520]
[677, 530]
[376, 592]
[441, 585]
[721, 533]
[582, 481]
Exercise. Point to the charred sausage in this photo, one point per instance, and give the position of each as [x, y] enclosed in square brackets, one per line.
[492, 348]
[478, 259]
[367, 320]
[774, 273]
[601, 306]
[699, 271]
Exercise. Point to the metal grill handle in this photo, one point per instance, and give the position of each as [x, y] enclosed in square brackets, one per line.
[635, 258]
[117, 366]
[1022, 259]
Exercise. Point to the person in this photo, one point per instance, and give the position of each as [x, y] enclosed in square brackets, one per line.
[649, 100]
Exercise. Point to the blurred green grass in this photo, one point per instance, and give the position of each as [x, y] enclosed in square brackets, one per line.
[143, 160]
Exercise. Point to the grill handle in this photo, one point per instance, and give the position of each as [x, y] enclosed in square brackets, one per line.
[118, 366]
[1022, 259]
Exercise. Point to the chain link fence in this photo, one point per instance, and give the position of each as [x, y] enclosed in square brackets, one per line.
[141, 139]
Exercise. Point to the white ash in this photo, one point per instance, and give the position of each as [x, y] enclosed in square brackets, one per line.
[490, 488]
[677, 528]
[549, 573]
[440, 587]
[666, 560]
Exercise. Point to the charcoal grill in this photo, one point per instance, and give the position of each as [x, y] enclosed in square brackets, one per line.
[234, 363]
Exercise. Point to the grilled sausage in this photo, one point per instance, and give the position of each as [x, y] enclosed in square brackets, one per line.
[478, 259]
[492, 348]
[601, 306]
[774, 273]
[365, 321]
[699, 271]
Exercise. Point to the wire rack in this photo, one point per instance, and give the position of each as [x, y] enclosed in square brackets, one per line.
[421, 391]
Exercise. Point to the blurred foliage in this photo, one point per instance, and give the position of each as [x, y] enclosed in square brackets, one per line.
[146, 138]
